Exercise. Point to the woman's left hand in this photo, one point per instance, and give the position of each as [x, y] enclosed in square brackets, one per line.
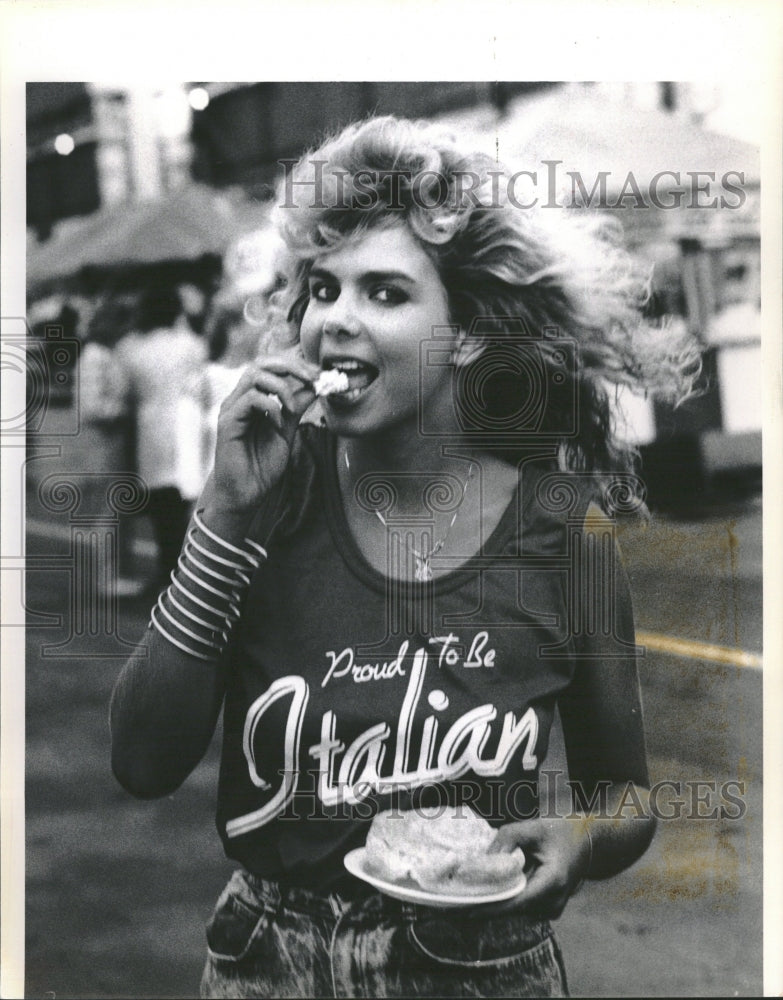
[557, 853]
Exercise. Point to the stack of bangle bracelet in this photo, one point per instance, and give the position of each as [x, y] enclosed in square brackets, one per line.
[198, 610]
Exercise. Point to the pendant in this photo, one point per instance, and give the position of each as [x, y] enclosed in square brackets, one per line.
[423, 572]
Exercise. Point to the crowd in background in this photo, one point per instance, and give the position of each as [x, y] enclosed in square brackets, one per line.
[155, 363]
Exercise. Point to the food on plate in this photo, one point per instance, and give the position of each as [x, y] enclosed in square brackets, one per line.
[443, 850]
[331, 380]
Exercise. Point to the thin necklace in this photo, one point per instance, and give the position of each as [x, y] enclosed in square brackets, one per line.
[423, 571]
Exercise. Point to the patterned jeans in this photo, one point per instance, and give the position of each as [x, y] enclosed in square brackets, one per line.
[265, 940]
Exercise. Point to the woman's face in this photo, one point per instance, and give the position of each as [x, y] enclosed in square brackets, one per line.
[373, 301]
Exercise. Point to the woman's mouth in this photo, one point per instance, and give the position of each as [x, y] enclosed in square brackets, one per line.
[360, 376]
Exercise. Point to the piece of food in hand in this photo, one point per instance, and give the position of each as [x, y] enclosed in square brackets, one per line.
[330, 381]
[442, 850]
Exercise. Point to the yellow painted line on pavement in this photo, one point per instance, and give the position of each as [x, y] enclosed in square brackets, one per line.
[695, 650]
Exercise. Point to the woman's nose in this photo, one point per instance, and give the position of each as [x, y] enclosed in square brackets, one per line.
[342, 320]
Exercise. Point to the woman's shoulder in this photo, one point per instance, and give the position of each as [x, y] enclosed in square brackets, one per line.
[564, 492]
[556, 501]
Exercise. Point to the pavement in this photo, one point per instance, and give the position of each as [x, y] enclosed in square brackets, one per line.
[118, 890]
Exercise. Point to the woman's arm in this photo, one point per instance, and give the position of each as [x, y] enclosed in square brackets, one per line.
[610, 825]
[601, 713]
[166, 703]
[163, 713]
[604, 737]
[167, 700]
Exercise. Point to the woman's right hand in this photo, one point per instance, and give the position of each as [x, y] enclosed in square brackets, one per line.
[256, 428]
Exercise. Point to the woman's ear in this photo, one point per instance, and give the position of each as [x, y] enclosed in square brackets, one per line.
[466, 350]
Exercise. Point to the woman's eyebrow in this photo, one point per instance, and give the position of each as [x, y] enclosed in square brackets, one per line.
[322, 273]
[370, 276]
[367, 276]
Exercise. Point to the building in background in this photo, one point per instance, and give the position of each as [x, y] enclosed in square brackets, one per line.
[62, 144]
[95, 145]
[91, 146]
[240, 131]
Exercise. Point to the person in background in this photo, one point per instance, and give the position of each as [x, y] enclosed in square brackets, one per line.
[245, 321]
[161, 361]
[233, 343]
[194, 305]
[106, 425]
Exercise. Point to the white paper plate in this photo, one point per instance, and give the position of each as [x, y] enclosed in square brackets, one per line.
[355, 862]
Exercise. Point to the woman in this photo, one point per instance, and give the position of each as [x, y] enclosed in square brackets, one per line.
[390, 605]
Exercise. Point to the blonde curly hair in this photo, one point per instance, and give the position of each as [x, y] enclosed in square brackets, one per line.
[546, 273]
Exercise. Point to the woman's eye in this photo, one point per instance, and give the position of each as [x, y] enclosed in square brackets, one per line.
[389, 295]
[322, 292]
